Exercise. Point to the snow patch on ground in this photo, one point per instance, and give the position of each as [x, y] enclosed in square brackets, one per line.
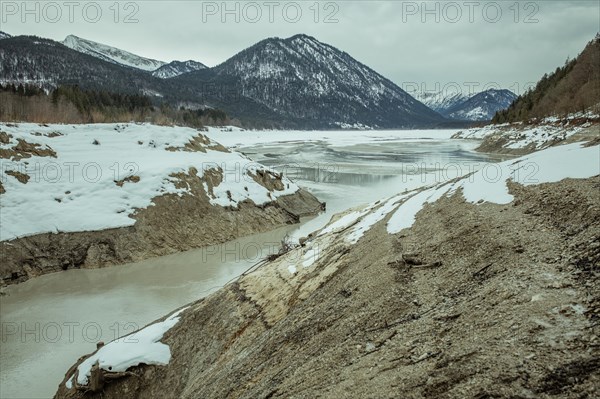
[310, 257]
[345, 221]
[536, 135]
[547, 166]
[69, 383]
[406, 214]
[374, 217]
[143, 346]
[521, 136]
[577, 115]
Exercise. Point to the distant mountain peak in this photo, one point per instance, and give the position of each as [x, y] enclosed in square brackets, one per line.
[305, 79]
[301, 37]
[177, 68]
[440, 101]
[478, 106]
[111, 54]
[482, 106]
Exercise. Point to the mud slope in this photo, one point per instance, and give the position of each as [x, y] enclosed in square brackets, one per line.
[472, 301]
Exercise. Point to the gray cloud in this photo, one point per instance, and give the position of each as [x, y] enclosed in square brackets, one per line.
[399, 39]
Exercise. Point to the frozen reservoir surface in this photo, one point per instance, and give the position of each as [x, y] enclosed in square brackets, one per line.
[49, 321]
[352, 168]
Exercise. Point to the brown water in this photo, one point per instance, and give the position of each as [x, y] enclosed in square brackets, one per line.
[50, 321]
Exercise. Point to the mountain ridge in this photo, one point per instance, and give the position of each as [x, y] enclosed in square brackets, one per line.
[296, 82]
[479, 106]
[111, 54]
[313, 75]
[159, 69]
[176, 68]
[439, 101]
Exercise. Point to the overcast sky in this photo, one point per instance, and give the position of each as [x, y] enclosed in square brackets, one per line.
[471, 43]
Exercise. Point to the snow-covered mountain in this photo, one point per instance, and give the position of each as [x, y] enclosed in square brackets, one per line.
[159, 69]
[297, 83]
[47, 64]
[442, 100]
[111, 54]
[302, 79]
[4, 35]
[177, 68]
[480, 106]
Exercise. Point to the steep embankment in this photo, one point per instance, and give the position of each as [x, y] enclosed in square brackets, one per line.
[480, 287]
[88, 196]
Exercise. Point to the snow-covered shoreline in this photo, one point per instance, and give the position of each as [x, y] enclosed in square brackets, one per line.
[90, 196]
[577, 162]
[488, 185]
[522, 138]
[95, 177]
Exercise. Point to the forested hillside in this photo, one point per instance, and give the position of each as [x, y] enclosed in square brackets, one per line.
[71, 104]
[574, 87]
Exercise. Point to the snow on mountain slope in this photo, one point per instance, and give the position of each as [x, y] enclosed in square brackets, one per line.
[111, 54]
[442, 100]
[95, 177]
[159, 69]
[4, 35]
[479, 106]
[47, 64]
[303, 78]
[482, 106]
[177, 68]
[293, 83]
